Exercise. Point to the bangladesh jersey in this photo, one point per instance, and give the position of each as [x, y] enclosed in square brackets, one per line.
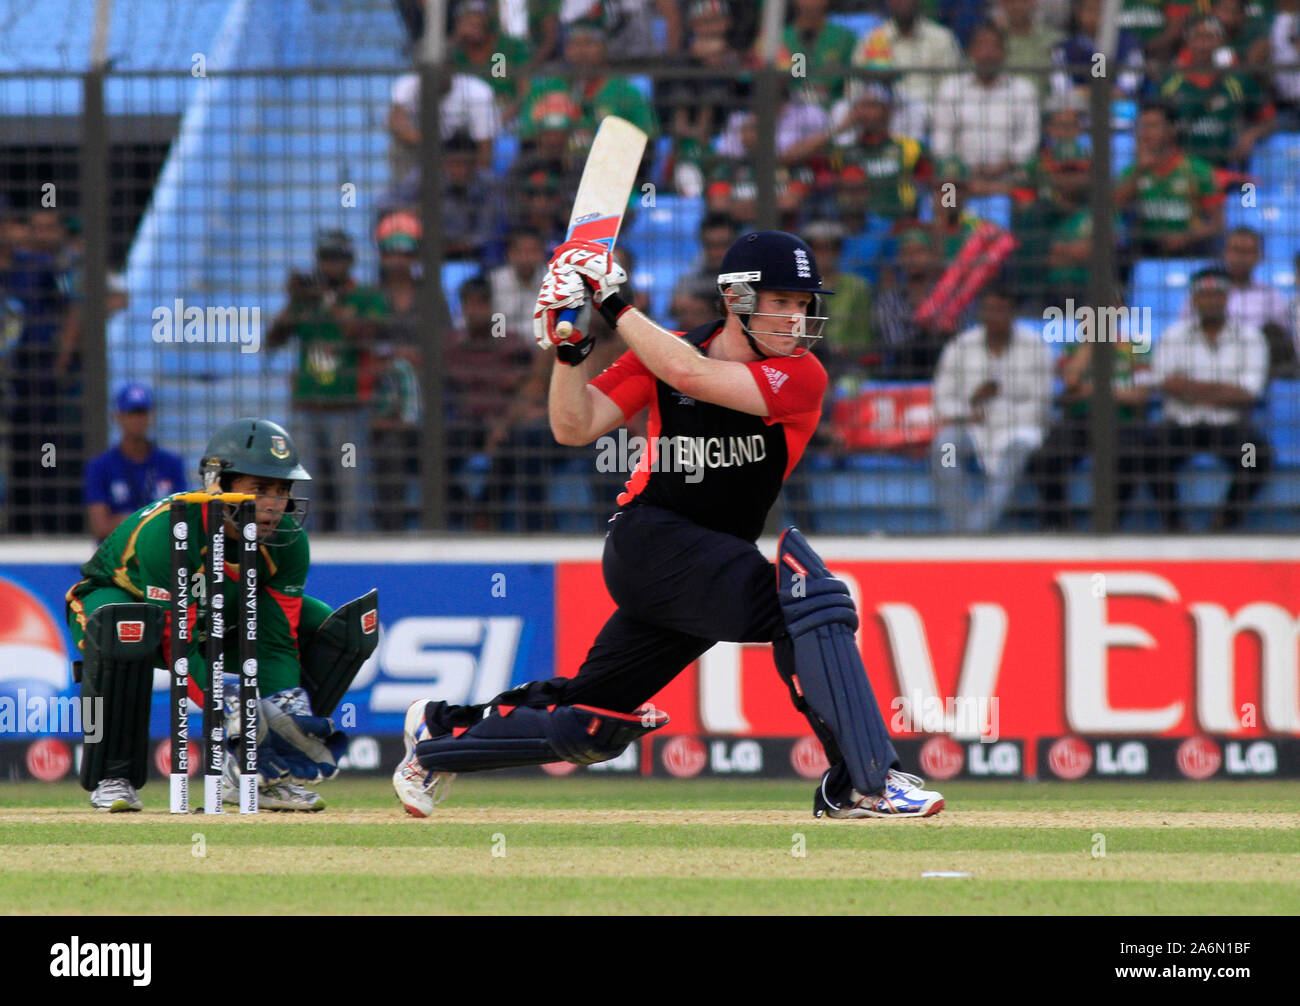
[137, 559]
[831, 49]
[597, 99]
[1209, 110]
[718, 467]
[1171, 198]
[892, 165]
[501, 72]
[1074, 227]
[1121, 377]
[329, 363]
[737, 181]
[1144, 18]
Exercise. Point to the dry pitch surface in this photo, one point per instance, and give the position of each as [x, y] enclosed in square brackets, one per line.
[605, 846]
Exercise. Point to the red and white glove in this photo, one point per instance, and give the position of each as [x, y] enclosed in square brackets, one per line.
[594, 263]
[560, 289]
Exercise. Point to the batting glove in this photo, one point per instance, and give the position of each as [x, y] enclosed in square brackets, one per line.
[594, 263]
[561, 290]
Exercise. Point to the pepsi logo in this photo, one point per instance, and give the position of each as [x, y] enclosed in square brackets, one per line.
[1070, 758]
[1198, 758]
[48, 759]
[684, 757]
[808, 759]
[941, 758]
[31, 642]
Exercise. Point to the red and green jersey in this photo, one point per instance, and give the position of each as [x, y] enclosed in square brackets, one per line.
[329, 363]
[137, 560]
[1126, 367]
[809, 57]
[1144, 19]
[1210, 110]
[892, 165]
[597, 99]
[1076, 226]
[501, 72]
[1173, 197]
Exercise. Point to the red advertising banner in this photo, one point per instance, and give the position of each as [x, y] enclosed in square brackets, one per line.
[1154, 648]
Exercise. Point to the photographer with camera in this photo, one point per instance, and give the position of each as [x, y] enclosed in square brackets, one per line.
[335, 320]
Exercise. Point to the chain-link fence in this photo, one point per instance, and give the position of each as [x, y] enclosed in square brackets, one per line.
[1065, 296]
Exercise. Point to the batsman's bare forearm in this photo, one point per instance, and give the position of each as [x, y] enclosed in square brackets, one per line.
[670, 358]
[568, 404]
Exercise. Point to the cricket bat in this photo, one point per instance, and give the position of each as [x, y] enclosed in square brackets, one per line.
[606, 186]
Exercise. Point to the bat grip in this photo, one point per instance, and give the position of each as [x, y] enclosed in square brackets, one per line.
[564, 327]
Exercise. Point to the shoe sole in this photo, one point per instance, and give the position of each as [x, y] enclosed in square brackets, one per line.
[930, 811]
[122, 807]
[316, 809]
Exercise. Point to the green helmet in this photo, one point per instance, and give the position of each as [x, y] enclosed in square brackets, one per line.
[251, 446]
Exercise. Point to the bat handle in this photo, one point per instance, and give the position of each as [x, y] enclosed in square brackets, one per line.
[564, 327]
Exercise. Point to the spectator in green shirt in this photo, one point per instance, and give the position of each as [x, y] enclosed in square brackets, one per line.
[592, 88]
[335, 320]
[816, 45]
[478, 47]
[1176, 207]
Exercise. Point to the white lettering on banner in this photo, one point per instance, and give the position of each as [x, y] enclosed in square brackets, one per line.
[1129, 758]
[1216, 676]
[458, 660]
[1088, 639]
[741, 757]
[722, 701]
[1002, 758]
[1259, 758]
[75, 959]
[979, 667]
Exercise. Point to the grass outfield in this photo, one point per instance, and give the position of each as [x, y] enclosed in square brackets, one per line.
[609, 846]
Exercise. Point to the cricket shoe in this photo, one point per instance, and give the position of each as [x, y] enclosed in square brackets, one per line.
[418, 790]
[115, 796]
[903, 798]
[285, 795]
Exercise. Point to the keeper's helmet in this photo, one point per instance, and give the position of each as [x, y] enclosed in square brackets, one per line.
[772, 260]
[261, 448]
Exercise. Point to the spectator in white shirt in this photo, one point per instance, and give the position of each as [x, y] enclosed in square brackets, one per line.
[1210, 371]
[1256, 305]
[986, 117]
[515, 284]
[992, 394]
[905, 41]
[468, 105]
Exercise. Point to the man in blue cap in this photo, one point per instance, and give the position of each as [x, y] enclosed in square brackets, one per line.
[133, 473]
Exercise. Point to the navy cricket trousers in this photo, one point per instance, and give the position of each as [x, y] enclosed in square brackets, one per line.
[679, 588]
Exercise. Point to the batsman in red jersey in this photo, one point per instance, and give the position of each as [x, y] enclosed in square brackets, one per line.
[732, 407]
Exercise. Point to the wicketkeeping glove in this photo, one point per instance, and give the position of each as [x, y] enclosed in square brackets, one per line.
[295, 744]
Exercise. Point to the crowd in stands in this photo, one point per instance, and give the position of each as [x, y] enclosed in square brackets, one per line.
[936, 154]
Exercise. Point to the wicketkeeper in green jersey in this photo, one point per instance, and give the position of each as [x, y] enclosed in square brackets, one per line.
[308, 653]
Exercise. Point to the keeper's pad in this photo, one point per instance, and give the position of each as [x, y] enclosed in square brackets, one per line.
[828, 676]
[513, 736]
[121, 644]
[337, 649]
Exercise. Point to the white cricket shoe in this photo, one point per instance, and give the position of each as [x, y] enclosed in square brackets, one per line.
[419, 791]
[115, 796]
[903, 798]
[287, 795]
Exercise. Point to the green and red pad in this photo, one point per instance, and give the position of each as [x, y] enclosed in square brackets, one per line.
[822, 665]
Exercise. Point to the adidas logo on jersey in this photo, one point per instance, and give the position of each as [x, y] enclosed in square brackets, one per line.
[775, 378]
